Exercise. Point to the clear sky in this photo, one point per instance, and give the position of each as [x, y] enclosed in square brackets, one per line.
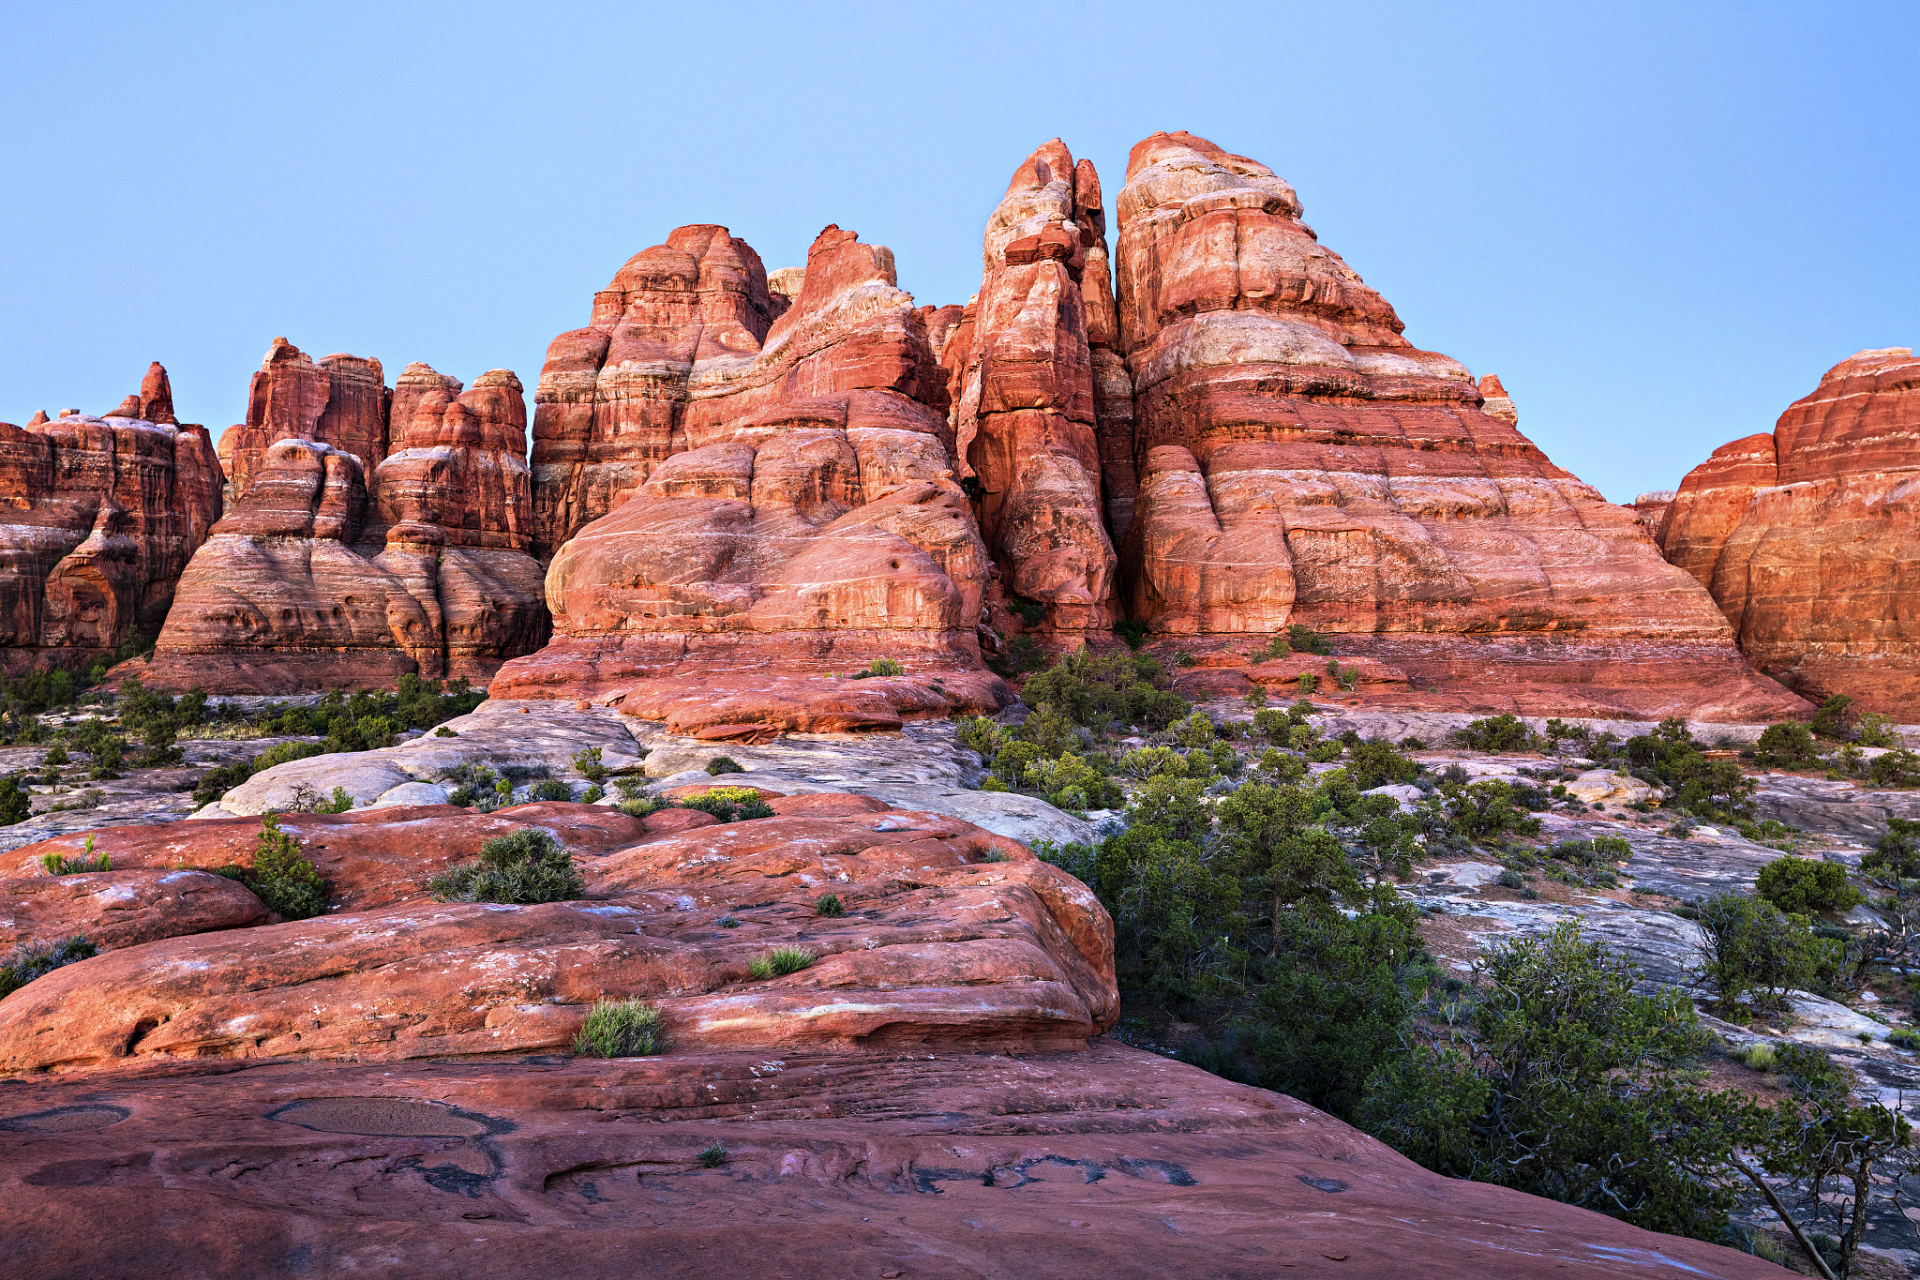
[1659, 223]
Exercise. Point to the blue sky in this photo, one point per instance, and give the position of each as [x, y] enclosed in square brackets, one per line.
[1658, 223]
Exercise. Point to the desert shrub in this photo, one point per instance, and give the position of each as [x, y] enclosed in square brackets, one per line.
[474, 786]
[636, 803]
[524, 866]
[1899, 767]
[1118, 689]
[1070, 782]
[730, 804]
[1377, 764]
[1752, 952]
[829, 906]
[281, 877]
[1511, 879]
[882, 667]
[37, 960]
[1787, 745]
[1277, 647]
[620, 1029]
[593, 794]
[1834, 719]
[58, 865]
[1904, 1038]
[1713, 789]
[518, 774]
[780, 961]
[1194, 731]
[587, 763]
[712, 1157]
[1896, 855]
[550, 789]
[1304, 639]
[1495, 733]
[16, 802]
[219, 780]
[107, 754]
[1800, 886]
[338, 802]
[723, 764]
[1875, 730]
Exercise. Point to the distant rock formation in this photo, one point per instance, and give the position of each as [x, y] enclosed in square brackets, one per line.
[1300, 463]
[1651, 509]
[1807, 537]
[372, 534]
[98, 518]
[1021, 375]
[794, 513]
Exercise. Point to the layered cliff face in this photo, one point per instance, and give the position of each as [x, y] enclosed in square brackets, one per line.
[1807, 537]
[794, 512]
[1026, 393]
[98, 519]
[401, 546]
[1300, 462]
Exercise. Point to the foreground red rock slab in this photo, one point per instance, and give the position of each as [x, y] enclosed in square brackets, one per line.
[1103, 1163]
[121, 908]
[1807, 539]
[949, 935]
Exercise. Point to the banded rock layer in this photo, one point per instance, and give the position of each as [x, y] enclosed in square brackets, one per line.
[794, 513]
[1808, 539]
[1300, 462]
[100, 517]
[371, 534]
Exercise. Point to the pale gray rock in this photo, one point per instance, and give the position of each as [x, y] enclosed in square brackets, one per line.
[410, 793]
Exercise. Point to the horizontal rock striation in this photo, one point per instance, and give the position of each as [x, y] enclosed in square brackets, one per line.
[794, 516]
[98, 520]
[371, 535]
[1806, 537]
[1300, 462]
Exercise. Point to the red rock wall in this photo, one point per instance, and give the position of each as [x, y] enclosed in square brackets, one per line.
[99, 518]
[1807, 540]
[1021, 376]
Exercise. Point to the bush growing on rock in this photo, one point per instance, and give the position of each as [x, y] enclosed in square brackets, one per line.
[723, 764]
[281, 877]
[829, 906]
[1800, 886]
[523, 867]
[1377, 764]
[779, 962]
[587, 763]
[1098, 692]
[620, 1029]
[1753, 953]
[16, 802]
[36, 960]
[59, 865]
[730, 804]
[1495, 733]
[550, 789]
[1788, 745]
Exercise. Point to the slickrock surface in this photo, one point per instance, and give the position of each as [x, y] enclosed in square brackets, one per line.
[951, 934]
[352, 554]
[1104, 1163]
[806, 522]
[100, 517]
[1300, 462]
[1806, 538]
[1022, 379]
[119, 908]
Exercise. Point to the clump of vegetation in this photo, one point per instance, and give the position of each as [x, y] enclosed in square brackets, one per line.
[1788, 745]
[881, 667]
[830, 906]
[1801, 886]
[16, 802]
[281, 877]
[713, 1157]
[1711, 789]
[1499, 733]
[587, 763]
[32, 960]
[635, 800]
[475, 786]
[524, 866]
[60, 865]
[723, 764]
[730, 804]
[550, 789]
[1753, 953]
[621, 1029]
[779, 962]
[1102, 692]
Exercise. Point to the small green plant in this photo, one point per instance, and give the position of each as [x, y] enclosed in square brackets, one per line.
[1787, 745]
[779, 962]
[1495, 733]
[444, 732]
[474, 787]
[639, 804]
[1276, 648]
[1904, 1038]
[1873, 730]
[551, 789]
[340, 802]
[1306, 640]
[1307, 683]
[882, 667]
[620, 1029]
[16, 802]
[587, 763]
[713, 1157]
[56, 865]
[1134, 633]
[36, 961]
[1758, 1057]
[594, 794]
[1511, 879]
[281, 877]
[524, 866]
[723, 764]
[829, 906]
[730, 804]
[58, 756]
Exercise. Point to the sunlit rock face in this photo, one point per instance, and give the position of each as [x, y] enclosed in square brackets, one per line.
[1807, 536]
[98, 518]
[1299, 461]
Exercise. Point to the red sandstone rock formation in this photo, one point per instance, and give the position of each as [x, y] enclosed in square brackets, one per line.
[1651, 509]
[1806, 539]
[120, 908]
[326, 572]
[1300, 462]
[101, 516]
[1022, 379]
[793, 514]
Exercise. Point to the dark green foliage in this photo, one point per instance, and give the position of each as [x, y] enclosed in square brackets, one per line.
[1897, 853]
[475, 787]
[1021, 655]
[1834, 719]
[587, 764]
[284, 752]
[730, 804]
[1488, 811]
[524, 866]
[779, 962]
[1102, 691]
[1800, 886]
[1377, 764]
[714, 1156]
[56, 756]
[281, 877]
[1896, 768]
[1713, 789]
[1495, 733]
[1788, 745]
[59, 865]
[881, 667]
[1304, 639]
[830, 906]
[30, 961]
[1030, 612]
[339, 802]
[723, 764]
[16, 802]
[107, 755]
[1753, 954]
[551, 789]
[1134, 633]
[620, 1029]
